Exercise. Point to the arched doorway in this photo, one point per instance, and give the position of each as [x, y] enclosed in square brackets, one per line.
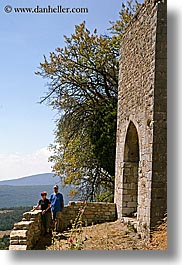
[130, 172]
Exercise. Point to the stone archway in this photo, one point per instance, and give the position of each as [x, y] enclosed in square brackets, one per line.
[130, 172]
[142, 98]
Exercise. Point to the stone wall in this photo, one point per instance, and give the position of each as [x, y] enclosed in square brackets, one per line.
[141, 123]
[94, 213]
[27, 232]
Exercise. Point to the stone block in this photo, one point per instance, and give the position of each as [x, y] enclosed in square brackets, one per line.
[23, 242]
[23, 225]
[14, 242]
[16, 234]
[17, 247]
[131, 204]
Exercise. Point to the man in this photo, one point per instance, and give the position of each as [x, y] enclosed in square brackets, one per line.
[57, 205]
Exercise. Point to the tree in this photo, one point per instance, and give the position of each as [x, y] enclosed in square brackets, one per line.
[83, 88]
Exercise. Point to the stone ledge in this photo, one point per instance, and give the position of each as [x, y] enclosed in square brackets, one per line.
[23, 225]
[17, 234]
[17, 247]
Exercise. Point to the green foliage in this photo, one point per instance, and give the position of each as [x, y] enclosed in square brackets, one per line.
[10, 216]
[4, 242]
[105, 196]
[128, 9]
[102, 132]
[83, 87]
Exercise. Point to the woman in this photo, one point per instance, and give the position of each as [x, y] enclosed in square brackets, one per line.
[45, 206]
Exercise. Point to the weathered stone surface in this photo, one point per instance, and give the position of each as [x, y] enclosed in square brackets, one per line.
[26, 232]
[142, 115]
[18, 234]
[23, 242]
[23, 225]
[14, 242]
[17, 247]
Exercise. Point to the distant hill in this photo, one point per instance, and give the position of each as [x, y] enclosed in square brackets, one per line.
[14, 196]
[26, 191]
[35, 180]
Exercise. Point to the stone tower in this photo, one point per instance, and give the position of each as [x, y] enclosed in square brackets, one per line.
[141, 151]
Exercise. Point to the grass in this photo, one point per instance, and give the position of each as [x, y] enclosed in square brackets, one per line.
[106, 236]
[114, 236]
[159, 237]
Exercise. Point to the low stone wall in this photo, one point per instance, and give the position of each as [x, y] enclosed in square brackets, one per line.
[94, 212]
[27, 232]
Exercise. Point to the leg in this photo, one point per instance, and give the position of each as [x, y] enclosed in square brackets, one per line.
[59, 218]
[48, 221]
[54, 220]
[44, 223]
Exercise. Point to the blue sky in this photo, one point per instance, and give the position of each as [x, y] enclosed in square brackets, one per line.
[26, 126]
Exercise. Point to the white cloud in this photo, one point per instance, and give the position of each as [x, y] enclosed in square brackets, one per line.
[13, 166]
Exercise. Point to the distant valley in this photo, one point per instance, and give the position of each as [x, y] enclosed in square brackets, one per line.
[26, 191]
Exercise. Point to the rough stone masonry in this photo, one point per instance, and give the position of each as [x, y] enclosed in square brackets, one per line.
[28, 231]
[141, 151]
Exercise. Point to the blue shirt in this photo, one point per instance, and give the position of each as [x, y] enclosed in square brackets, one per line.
[56, 201]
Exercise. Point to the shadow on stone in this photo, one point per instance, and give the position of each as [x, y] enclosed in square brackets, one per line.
[43, 242]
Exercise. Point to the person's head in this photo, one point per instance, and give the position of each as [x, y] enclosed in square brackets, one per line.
[56, 188]
[43, 195]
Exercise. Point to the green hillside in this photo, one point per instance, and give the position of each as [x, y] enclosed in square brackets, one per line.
[10, 216]
[14, 196]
